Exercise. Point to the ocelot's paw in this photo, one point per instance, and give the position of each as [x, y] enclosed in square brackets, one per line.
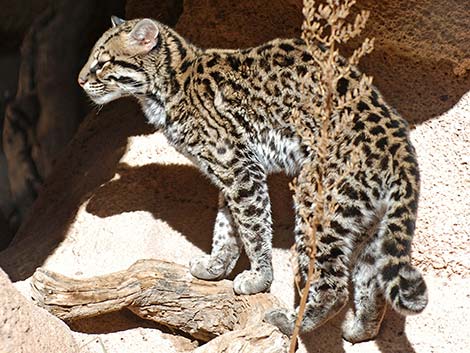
[282, 318]
[208, 268]
[251, 282]
[355, 330]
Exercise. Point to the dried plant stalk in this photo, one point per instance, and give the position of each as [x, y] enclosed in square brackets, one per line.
[324, 27]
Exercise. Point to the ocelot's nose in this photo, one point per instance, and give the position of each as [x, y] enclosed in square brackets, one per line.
[81, 80]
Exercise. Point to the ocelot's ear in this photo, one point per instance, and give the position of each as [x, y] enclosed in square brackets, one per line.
[116, 21]
[144, 36]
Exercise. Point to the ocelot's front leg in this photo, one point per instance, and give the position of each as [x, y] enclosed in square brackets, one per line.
[248, 201]
[243, 183]
[226, 248]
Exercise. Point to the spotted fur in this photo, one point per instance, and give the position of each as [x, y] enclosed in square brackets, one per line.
[229, 112]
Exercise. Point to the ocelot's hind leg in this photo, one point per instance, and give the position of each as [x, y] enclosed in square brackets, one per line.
[363, 322]
[226, 248]
[329, 293]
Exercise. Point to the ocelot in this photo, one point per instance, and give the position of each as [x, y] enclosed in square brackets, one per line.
[229, 112]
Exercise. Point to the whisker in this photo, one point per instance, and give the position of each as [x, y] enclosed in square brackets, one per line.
[127, 90]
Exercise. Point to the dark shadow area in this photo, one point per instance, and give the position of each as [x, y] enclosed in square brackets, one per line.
[282, 207]
[9, 66]
[44, 43]
[392, 337]
[177, 194]
[113, 322]
[327, 338]
[419, 88]
[119, 321]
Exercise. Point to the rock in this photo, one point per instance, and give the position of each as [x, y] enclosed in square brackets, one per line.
[15, 19]
[165, 11]
[443, 222]
[5, 233]
[28, 328]
[239, 24]
[418, 46]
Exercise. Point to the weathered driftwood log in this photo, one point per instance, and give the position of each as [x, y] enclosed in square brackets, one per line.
[167, 294]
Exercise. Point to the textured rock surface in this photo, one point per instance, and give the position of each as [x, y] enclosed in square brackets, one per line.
[119, 193]
[9, 65]
[167, 11]
[15, 19]
[419, 44]
[25, 328]
[239, 24]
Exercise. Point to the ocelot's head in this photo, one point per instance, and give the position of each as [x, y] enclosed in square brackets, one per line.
[115, 67]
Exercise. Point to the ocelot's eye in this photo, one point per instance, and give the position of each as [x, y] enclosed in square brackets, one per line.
[98, 65]
[95, 66]
[104, 64]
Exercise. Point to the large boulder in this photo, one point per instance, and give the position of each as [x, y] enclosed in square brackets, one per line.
[26, 328]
